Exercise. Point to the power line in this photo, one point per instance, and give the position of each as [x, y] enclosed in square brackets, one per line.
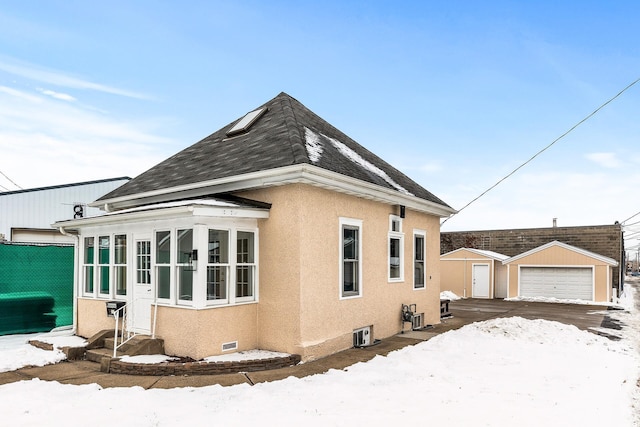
[545, 149]
[632, 216]
[10, 180]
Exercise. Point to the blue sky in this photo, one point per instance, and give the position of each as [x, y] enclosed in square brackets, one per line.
[456, 94]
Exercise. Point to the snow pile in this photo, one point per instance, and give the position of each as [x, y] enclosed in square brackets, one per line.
[502, 372]
[245, 355]
[147, 359]
[16, 352]
[449, 295]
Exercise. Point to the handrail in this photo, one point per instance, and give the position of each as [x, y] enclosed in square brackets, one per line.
[121, 312]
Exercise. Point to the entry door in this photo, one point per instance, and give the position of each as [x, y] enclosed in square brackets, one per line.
[142, 292]
[480, 277]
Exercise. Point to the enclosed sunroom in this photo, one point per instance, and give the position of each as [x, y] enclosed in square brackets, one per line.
[196, 255]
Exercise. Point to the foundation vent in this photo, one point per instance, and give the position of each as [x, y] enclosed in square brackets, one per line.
[230, 346]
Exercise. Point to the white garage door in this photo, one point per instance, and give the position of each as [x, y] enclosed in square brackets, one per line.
[557, 282]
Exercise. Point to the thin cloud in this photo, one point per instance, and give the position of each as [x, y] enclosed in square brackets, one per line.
[59, 78]
[57, 95]
[607, 160]
[44, 141]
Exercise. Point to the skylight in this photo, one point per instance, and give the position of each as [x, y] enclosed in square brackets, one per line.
[245, 123]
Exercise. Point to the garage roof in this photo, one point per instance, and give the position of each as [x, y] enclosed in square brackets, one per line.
[556, 243]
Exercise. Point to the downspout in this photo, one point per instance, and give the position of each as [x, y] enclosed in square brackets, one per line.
[75, 276]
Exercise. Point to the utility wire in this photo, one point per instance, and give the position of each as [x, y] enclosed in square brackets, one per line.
[10, 180]
[632, 216]
[545, 149]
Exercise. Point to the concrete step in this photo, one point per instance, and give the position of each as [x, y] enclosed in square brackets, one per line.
[139, 344]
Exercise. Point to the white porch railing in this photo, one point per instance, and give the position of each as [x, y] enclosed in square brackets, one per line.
[123, 332]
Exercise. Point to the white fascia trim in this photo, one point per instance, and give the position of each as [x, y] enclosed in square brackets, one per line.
[584, 252]
[301, 173]
[488, 254]
[157, 213]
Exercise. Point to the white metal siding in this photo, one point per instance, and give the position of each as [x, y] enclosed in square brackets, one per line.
[557, 282]
[38, 209]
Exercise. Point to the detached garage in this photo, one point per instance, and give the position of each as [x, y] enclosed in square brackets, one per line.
[474, 273]
[558, 270]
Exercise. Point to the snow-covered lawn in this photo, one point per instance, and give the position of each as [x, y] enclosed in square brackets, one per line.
[502, 372]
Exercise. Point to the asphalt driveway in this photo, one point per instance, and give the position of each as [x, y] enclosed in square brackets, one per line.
[587, 317]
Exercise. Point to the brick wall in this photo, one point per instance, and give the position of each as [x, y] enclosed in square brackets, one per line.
[604, 240]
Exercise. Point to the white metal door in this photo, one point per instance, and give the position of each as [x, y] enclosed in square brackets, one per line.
[557, 282]
[142, 291]
[480, 277]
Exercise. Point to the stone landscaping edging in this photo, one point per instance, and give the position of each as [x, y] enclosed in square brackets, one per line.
[202, 368]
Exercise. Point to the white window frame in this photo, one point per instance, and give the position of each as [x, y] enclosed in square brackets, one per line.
[423, 235]
[116, 265]
[253, 266]
[88, 263]
[110, 266]
[395, 233]
[357, 224]
[225, 266]
[183, 265]
[170, 264]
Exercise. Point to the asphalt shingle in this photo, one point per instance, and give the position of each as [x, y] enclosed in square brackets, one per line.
[280, 137]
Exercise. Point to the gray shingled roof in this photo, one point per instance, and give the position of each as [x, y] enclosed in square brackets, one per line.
[287, 134]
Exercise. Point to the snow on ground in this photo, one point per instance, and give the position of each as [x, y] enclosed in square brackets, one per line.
[501, 372]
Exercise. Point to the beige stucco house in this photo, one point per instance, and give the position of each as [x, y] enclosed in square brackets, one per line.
[559, 270]
[474, 273]
[276, 232]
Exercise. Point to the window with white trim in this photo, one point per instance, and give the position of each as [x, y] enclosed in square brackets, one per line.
[218, 266]
[395, 249]
[143, 262]
[245, 265]
[163, 265]
[120, 263]
[350, 258]
[184, 264]
[89, 265]
[419, 259]
[104, 255]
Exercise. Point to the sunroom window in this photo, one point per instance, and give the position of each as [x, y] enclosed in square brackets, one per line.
[103, 264]
[185, 265]
[120, 263]
[163, 264]
[89, 262]
[218, 266]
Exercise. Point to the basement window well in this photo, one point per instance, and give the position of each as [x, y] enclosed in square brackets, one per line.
[246, 122]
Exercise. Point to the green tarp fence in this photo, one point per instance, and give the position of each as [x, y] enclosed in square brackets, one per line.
[36, 287]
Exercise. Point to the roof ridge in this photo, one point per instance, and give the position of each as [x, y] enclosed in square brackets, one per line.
[298, 150]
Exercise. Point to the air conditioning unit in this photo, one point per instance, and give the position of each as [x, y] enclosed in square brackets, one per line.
[417, 321]
[362, 337]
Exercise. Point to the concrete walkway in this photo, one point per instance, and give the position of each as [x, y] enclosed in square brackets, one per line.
[464, 312]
